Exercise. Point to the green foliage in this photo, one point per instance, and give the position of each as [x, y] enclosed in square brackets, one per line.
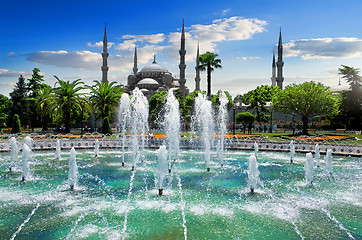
[4, 110]
[245, 118]
[65, 97]
[19, 101]
[155, 105]
[105, 97]
[215, 99]
[258, 98]
[306, 99]
[208, 62]
[35, 83]
[43, 101]
[106, 127]
[351, 106]
[16, 126]
[187, 105]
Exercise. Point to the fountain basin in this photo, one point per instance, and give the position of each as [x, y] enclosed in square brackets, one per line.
[216, 204]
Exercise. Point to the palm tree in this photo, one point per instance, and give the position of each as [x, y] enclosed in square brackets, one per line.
[44, 101]
[209, 62]
[66, 97]
[105, 97]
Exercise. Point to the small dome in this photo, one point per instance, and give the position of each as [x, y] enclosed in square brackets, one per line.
[154, 67]
[339, 88]
[148, 81]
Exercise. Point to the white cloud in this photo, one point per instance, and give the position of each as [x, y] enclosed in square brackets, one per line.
[249, 58]
[225, 11]
[100, 44]
[324, 48]
[82, 60]
[165, 46]
[11, 54]
[7, 73]
[152, 38]
[208, 36]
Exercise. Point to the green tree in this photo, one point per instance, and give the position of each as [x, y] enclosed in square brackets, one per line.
[34, 85]
[351, 106]
[306, 99]
[105, 97]
[5, 104]
[246, 118]
[16, 126]
[106, 127]
[257, 100]
[155, 105]
[186, 107]
[44, 102]
[215, 99]
[208, 62]
[66, 97]
[19, 102]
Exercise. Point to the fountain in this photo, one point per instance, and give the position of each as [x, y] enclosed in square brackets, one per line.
[57, 150]
[253, 173]
[162, 168]
[309, 169]
[172, 127]
[114, 203]
[203, 122]
[292, 151]
[256, 149]
[96, 148]
[73, 170]
[124, 118]
[317, 155]
[28, 141]
[221, 119]
[138, 125]
[14, 152]
[25, 163]
[328, 162]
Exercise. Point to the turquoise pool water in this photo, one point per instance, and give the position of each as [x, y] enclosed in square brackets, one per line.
[112, 202]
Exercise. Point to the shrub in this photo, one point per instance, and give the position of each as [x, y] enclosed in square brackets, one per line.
[106, 127]
[16, 127]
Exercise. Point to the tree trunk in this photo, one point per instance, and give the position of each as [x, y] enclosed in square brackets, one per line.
[209, 81]
[305, 125]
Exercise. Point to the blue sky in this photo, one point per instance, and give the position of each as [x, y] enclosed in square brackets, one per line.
[63, 38]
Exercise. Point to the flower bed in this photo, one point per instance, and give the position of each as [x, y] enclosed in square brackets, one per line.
[320, 138]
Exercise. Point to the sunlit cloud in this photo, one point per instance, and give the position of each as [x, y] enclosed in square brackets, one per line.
[324, 48]
[82, 60]
[11, 54]
[100, 44]
[225, 11]
[165, 46]
[7, 73]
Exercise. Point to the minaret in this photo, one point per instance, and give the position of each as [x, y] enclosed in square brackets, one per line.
[182, 64]
[135, 69]
[197, 78]
[280, 62]
[273, 78]
[105, 55]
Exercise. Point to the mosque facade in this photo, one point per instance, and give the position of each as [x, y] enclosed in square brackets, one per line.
[154, 77]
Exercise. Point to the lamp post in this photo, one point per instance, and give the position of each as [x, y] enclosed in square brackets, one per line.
[82, 125]
[234, 121]
[234, 110]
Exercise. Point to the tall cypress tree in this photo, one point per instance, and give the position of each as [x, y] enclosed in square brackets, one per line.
[19, 102]
[33, 86]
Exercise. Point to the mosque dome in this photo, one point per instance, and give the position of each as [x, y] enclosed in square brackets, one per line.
[148, 81]
[154, 67]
